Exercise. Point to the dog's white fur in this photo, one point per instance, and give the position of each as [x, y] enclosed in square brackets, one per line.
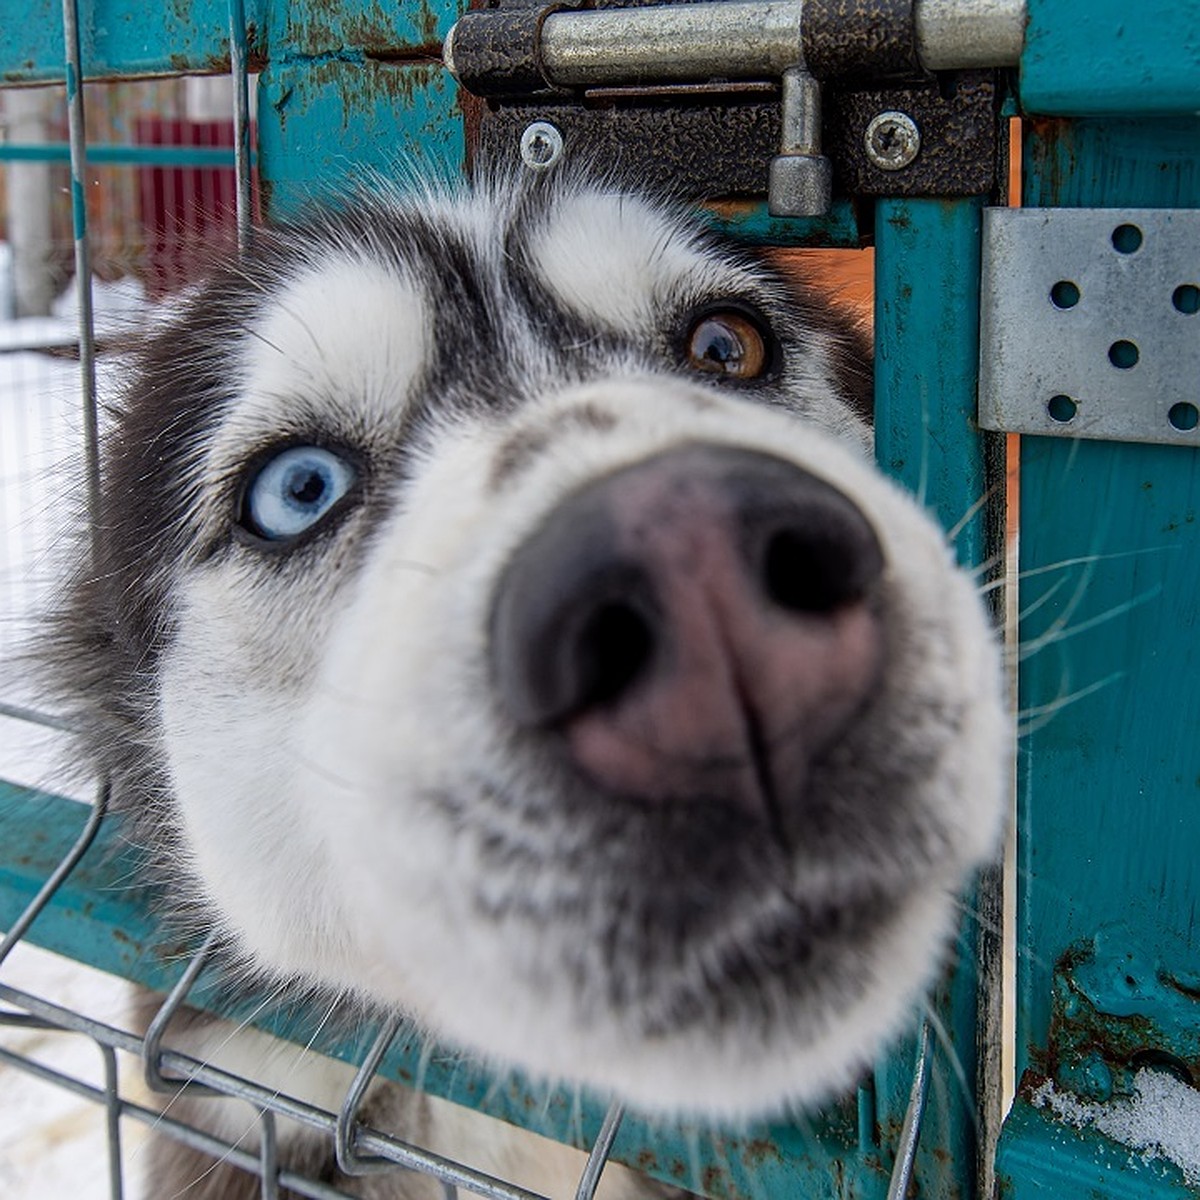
[309, 718]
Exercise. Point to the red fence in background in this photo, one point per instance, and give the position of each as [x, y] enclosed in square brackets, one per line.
[188, 211]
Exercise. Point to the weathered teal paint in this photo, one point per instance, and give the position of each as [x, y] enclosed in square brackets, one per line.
[92, 917]
[1095, 57]
[326, 127]
[926, 368]
[927, 361]
[752, 223]
[1109, 773]
[119, 38]
[321, 28]
[120, 155]
[128, 38]
[1045, 1160]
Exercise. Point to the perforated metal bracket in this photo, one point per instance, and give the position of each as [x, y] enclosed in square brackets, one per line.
[1090, 324]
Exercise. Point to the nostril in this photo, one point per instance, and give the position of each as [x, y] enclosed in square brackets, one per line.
[807, 574]
[822, 566]
[613, 649]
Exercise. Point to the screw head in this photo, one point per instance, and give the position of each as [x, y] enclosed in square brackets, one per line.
[892, 140]
[541, 145]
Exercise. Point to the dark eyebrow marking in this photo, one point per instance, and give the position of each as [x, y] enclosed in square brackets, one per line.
[519, 450]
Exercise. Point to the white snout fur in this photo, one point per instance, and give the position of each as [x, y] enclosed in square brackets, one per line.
[321, 840]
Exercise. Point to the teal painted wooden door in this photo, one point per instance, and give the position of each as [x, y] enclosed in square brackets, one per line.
[1109, 765]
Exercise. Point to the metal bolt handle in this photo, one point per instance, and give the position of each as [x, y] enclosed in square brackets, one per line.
[800, 178]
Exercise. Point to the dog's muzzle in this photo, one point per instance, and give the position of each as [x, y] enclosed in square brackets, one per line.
[699, 626]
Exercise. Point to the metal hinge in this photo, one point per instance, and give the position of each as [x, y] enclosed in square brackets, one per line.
[1090, 323]
[734, 97]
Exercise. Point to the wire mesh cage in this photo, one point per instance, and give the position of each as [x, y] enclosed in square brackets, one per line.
[147, 213]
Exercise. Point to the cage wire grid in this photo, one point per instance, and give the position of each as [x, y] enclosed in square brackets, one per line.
[359, 1149]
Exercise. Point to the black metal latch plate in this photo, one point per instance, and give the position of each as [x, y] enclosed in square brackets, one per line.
[716, 138]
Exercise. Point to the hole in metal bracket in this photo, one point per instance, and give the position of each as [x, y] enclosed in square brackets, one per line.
[1186, 298]
[1184, 416]
[1126, 239]
[1064, 294]
[1123, 354]
[1062, 409]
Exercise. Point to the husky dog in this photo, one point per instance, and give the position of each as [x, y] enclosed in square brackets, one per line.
[497, 615]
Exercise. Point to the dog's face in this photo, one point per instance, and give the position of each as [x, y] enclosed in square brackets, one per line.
[501, 614]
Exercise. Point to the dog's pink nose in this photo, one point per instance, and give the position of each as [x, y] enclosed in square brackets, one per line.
[697, 627]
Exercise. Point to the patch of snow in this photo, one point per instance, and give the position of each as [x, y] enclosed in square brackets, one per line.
[1161, 1120]
[40, 456]
[115, 300]
[118, 307]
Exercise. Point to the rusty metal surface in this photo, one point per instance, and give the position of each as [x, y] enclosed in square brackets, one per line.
[691, 149]
[1114, 1011]
[717, 138]
[960, 131]
[860, 38]
[721, 145]
[496, 53]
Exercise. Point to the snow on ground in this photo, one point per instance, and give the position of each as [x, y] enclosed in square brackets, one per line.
[1161, 1120]
[39, 439]
[53, 1143]
[41, 474]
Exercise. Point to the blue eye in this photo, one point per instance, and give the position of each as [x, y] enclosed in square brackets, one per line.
[294, 490]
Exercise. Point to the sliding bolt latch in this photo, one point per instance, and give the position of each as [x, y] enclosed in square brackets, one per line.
[800, 179]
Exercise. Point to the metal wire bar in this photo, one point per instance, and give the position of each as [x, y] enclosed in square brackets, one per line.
[121, 154]
[268, 1156]
[601, 1149]
[156, 1081]
[238, 55]
[402, 1154]
[32, 716]
[349, 1160]
[20, 1020]
[57, 1017]
[77, 137]
[910, 1130]
[112, 1120]
[64, 868]
[172, 1127]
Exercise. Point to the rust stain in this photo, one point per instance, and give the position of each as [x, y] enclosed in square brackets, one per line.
[1051, 160]
[646, 1161]
[760, 1150]
[377, 30]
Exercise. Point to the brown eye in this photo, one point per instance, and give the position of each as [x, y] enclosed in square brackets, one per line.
[727, 343]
